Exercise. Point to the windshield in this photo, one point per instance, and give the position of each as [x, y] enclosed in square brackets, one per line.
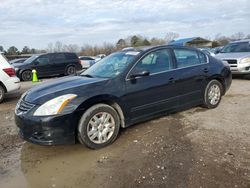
[236, 47]
[111, 65]
[31, 59]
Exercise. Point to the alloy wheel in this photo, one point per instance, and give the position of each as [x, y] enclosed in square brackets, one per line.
[101, 127]
[214, 94]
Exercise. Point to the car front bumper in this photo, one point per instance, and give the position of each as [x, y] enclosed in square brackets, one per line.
[54, 130]
[243, 68]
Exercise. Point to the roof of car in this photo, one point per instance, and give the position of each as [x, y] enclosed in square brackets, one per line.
[145, 48]
[238, 41]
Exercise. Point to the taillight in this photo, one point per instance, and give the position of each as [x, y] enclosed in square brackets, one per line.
[10, 71]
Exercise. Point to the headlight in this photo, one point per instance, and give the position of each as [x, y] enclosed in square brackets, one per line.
[54, 106]
[245, 60]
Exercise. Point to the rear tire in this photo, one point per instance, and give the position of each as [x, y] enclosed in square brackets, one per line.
[2, 93]
[26, 75]
[71, 70]
[99, 126]
[213, 94]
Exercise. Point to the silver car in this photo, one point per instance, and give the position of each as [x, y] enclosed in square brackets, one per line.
[237, 55]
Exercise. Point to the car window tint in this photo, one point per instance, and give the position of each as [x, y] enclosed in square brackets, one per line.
[58, 56]
[186, 58]
[71, 56]
[86, 58]
[43, 60]
[203, 57]
[154, 62]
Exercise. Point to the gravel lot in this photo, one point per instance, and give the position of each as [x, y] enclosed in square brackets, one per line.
[193, 148]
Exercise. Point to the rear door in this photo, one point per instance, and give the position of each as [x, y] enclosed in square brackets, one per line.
[59, 63]
[193, 69]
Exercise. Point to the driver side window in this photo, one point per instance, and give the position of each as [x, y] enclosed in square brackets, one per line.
[43, 60]
[155, 62]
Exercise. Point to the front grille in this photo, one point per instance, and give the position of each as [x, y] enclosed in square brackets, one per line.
[232, 62]
[24, 106]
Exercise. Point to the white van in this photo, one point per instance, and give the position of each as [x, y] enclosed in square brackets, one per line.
[9, 83]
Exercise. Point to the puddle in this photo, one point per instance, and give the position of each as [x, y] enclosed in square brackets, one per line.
[78, 166]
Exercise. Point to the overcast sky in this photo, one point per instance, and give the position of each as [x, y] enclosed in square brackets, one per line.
[38, 22]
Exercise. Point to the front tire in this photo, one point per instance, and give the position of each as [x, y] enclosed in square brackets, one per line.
[26, 75]
[2, 93]
[99, 126]
[213, 94]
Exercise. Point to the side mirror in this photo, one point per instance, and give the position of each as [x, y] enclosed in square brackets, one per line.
[139, 74]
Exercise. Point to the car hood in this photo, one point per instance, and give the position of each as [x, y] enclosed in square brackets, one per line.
[78, 85]
[232, 55]
[18, 65]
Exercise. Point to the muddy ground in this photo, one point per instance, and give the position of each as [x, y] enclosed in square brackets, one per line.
[193, 148]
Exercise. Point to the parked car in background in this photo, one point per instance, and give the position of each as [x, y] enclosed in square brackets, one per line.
[216, 50]
[86, 61]
[48, 65]
[99, 57]
[9, 83]
[122, 89]
[20, 60]
[207, 51]
[237, 55]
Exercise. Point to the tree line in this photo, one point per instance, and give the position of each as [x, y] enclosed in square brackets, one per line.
[107, 48]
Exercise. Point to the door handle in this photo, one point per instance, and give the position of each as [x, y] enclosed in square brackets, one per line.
[171, 80]
[205, 70]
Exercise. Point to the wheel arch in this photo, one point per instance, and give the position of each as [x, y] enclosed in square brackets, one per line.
[69, 65]
[4, 87]
[20, 72]
[221, 80]
[105, 99]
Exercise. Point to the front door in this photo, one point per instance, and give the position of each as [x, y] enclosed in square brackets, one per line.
[43, 66]
[150, 94]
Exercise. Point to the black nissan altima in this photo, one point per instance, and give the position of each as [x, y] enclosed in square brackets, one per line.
[122, 89]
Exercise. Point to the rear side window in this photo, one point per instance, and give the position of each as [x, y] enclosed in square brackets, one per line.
[71, 56]
[86, 58]
[203, 57]
[58, 56]
[186, 58]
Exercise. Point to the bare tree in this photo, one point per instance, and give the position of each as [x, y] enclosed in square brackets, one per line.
[71, 48]
[170, 36]
[157, 41]
[58, 46]
[50, 47]
[221, 39]
[238, 36]
[121, 44]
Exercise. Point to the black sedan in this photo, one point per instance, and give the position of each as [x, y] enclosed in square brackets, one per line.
[122, 89]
